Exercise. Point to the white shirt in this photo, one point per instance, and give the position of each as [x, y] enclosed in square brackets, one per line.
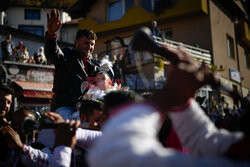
[131, 140]
[35, 157]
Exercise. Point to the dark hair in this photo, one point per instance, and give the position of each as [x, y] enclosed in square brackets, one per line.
[119, 97]
[87, 33]
[6, 89]
[88, 106]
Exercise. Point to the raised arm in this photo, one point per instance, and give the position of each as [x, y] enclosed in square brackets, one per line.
[193, 127]
[53, 22]
[52, 50]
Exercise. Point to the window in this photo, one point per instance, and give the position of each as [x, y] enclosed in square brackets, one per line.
[117, 8]
[148, 5]
[37, 30]
[247, 59]
[230, 47]
[32, 14]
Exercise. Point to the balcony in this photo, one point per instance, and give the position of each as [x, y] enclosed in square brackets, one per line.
[137, 16]
[147, 70]
[244, 32]
[198, 54]
[18, 71]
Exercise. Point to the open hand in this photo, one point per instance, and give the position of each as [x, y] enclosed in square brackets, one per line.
[53, 21]
[54, 117]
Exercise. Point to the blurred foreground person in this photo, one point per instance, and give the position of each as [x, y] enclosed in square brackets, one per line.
[125, 143]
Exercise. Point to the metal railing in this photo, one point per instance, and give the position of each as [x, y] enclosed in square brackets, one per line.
[199, 54]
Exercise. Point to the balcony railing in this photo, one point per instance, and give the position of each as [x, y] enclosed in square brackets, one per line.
[18, 71]
[199, 54]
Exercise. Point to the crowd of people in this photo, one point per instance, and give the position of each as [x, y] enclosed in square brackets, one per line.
[221, 114]
[100, 124]
[20, 53]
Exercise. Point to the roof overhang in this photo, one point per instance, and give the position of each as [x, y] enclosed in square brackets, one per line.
[35, 89]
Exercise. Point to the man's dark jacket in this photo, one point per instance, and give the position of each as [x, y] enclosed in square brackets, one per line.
[69, 73]
[5, 52]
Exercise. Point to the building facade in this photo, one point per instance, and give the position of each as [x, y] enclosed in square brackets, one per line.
[220, 27]
[32, 83]
[30, 19]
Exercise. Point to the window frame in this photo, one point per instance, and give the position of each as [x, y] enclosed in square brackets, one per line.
[32, 26]
[124, 10]
[152, 5]
[247, 58]
[32, 11]
[230, 47]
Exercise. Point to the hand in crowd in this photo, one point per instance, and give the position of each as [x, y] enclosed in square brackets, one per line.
[53, 21]
[184, 79]
[3, 121]
[12, 138]
[66, 133]
[54, 117]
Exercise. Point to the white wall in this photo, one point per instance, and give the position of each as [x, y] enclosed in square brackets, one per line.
[15, 16]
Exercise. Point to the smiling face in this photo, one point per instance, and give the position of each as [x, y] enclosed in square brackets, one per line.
[5, 103]
[85, 46]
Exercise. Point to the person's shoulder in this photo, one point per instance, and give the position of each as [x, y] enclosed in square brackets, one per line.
[69, 51]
